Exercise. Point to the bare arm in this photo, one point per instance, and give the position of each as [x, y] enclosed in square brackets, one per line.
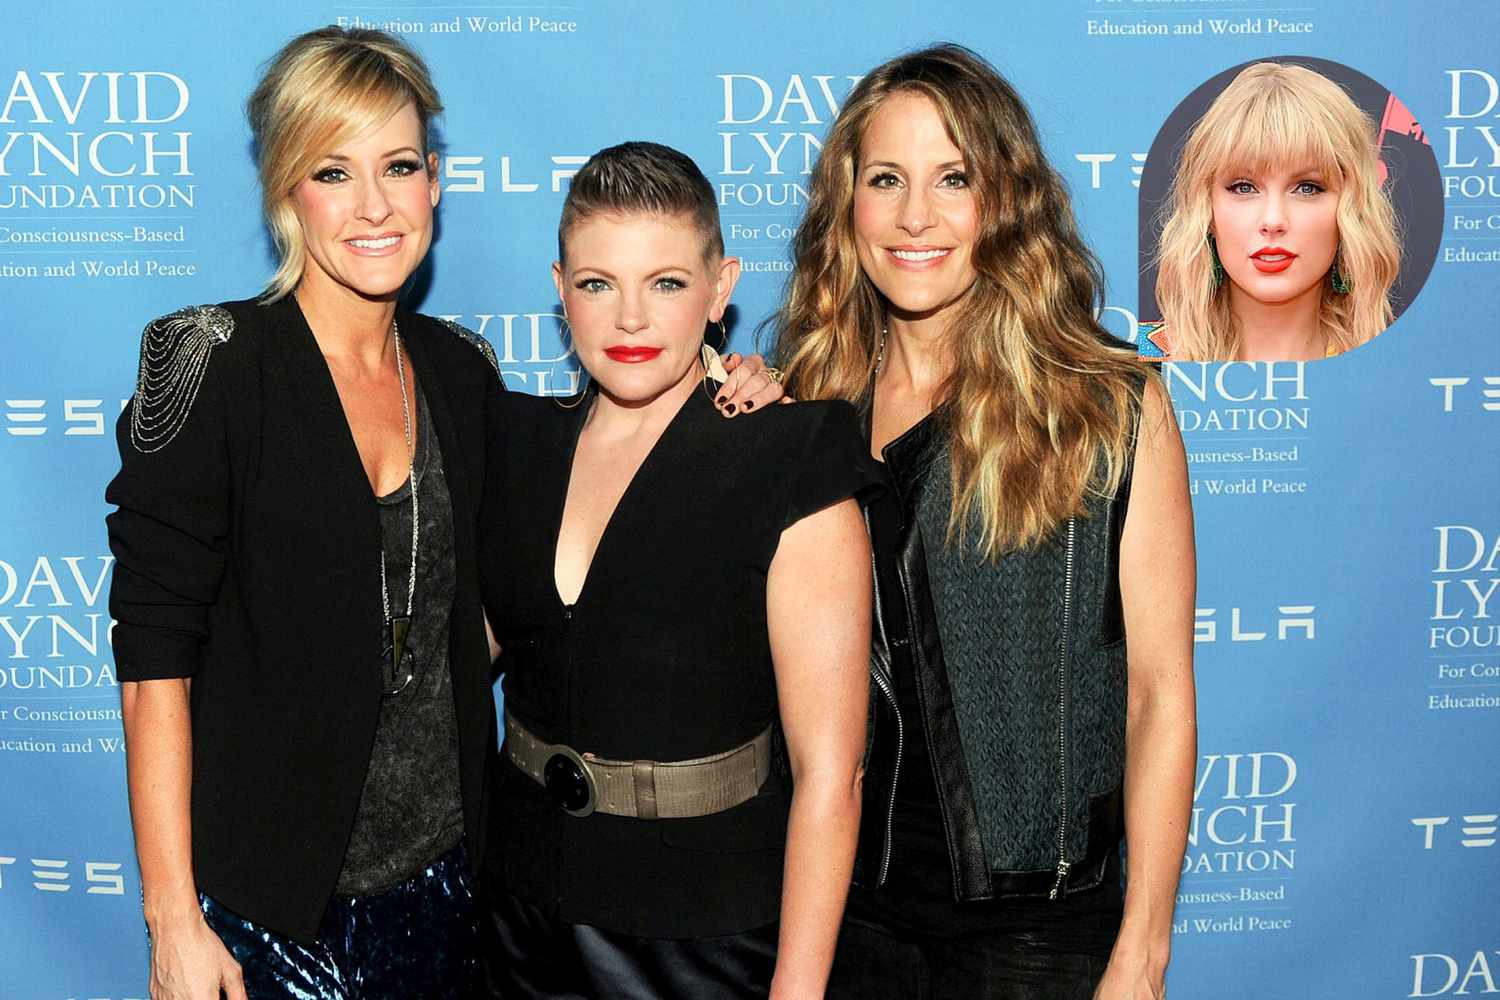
[818, 606]
[1158, 574]
[188, 962]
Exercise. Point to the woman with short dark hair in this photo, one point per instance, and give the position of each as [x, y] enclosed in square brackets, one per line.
[683, 608]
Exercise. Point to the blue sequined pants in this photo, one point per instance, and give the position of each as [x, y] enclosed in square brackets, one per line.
[419, 938]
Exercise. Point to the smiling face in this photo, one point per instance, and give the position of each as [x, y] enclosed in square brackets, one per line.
[366, 210]
[638, 293]
[915, 215]
[1277, 232]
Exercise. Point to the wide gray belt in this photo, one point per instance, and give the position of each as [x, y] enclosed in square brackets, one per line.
[581, 783]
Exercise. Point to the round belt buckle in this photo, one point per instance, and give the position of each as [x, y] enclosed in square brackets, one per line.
[569, 783]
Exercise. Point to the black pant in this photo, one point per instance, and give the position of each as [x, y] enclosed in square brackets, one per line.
[875, 962]
[530, 955]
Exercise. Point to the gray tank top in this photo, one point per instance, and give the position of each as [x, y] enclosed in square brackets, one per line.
[411, 810]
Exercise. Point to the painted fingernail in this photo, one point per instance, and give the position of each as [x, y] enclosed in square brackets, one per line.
[749, 403]
[729, 409]
[720, 401]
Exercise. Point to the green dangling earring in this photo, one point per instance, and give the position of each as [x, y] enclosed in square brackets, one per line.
[1218, 271]
[1336, 279]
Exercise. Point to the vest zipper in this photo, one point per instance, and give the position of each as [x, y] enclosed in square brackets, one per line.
[890, 809]
[1063, 864]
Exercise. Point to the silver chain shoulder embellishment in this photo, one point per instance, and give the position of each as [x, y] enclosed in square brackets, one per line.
[475, 341]
[174, 357]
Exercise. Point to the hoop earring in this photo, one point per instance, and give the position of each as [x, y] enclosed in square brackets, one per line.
[1340, 284]
[713, 363]
[1218, 265]
[584, 382]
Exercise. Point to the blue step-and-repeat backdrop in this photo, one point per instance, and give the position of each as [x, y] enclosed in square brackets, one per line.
[1344, 835]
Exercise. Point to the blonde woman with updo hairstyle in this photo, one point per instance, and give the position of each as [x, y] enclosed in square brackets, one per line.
[1279, 241]
[301, 650]
[1032, 661]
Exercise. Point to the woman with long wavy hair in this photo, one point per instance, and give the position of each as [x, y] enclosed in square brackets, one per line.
[1279, 242]
[941, 285]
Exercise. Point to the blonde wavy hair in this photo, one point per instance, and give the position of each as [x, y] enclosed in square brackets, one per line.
[322, 89]
[1271, 115]
[1040, 407]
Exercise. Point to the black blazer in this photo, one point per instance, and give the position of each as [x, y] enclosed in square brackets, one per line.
[247, 542]
[664, 655]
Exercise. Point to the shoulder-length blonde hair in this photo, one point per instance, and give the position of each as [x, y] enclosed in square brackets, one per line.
[1273, 114]
[1040, 406]
[322, 89]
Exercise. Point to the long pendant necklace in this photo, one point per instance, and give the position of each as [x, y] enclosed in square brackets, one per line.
[398, 627]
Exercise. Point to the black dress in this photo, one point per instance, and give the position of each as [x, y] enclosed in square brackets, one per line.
[664, 656]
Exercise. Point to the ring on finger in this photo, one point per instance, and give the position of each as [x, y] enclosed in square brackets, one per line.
[774, 374]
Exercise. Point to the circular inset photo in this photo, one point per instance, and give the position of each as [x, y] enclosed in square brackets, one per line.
[1290, 209]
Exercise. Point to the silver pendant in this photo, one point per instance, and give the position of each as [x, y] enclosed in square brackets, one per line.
[400, 626]
[401, 672]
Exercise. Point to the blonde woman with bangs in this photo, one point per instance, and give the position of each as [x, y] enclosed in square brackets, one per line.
[1279, 241]
[1038, 517]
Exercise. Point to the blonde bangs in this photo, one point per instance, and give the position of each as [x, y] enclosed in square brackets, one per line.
[1276, 131]
[321, 118]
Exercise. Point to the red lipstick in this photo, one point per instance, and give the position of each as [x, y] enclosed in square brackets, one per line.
[632, 355]
[1272, 260]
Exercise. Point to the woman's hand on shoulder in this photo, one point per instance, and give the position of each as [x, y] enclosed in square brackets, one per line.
[189, 962]
[750, 386]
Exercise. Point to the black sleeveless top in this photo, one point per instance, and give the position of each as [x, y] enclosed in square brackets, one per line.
[664, 655]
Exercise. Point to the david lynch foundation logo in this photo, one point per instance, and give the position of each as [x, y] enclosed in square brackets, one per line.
[1463, 633]
[1245, 426]
[57, 674]
[534, 349]
[95, 140]
[770, 135]
[1241, 858]
[1470, 165]
[1460, 973]
[89, 162]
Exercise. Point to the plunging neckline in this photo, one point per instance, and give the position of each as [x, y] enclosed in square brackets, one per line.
[322, 376]
[567, 484]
